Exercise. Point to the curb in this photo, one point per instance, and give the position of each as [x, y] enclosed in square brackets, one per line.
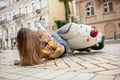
[112, 41]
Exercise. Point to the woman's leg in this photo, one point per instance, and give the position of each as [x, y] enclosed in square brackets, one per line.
[61, 41]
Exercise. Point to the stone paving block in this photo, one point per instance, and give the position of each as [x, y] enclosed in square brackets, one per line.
[103, 77]
[53, 75]
[116, 63]
[112, 58]
[83, 76]
[43, 72]
[17, 69]
[29, 78]
[96, 69]
[9, 76]
[73, 64]
[89, 59]
[5, 68]
[107, 66]
[29, 71]
[73, 68]
[75, 59]
[4, 79]
[87, 64]
[67, 59]
[110, 72]
[117, 78]
[101, 62]
[66, 76]
[60, 63]
[102, 59]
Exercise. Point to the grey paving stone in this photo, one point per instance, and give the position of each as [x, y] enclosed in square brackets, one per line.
[117, 78]
[107, 66]
[3, 78]
[42, 73]
[92, 70]
[103, 77]
[53, 75]
[10, 76]
[66, 76]
[83, 76]
[110, 72]
[29, 71]
[29, 78]
[87, 64]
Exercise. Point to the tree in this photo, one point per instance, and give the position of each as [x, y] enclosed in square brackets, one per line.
[67, 8]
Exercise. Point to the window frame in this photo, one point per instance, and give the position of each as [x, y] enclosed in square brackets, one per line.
[106, 5]
[91, 10]
[33, 6]
[26, 9]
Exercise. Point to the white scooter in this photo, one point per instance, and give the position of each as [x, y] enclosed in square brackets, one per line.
[81, 37]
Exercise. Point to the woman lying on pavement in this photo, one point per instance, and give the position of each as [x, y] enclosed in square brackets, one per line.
[33, 46]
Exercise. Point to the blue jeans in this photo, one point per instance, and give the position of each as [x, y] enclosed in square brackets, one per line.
[61, 41]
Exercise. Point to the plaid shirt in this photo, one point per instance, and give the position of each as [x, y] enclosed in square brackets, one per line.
[50, 47]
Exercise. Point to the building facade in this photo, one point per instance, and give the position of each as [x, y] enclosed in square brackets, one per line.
[22, 13]
[104, 14]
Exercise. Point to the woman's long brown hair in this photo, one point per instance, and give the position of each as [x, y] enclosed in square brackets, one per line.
[29, 47]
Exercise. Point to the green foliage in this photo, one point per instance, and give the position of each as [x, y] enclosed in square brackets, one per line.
[60, 23]
[67, 8]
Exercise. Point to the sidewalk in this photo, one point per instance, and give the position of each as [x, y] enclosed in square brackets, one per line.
[96, 65]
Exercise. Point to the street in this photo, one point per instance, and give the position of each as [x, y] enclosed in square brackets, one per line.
[96, 65]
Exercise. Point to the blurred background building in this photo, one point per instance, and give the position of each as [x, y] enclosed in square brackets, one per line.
[104, 14]
[14, 14]
[22, 13]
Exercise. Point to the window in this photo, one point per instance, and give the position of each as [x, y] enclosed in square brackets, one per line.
[33, 6]
[108, 6]
[2, 33]
[5, 17]
[119, 25]
[90, 9]
[35, 23]
[43, 3]
[0, 18]
[11, 29]
[15, 28]
[10, 16]
[26, 9]
[28, 25]
[21, 25]
[20, 11]
[43, 22]
[13, 13]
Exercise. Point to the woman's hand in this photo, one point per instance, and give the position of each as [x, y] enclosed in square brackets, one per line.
[17, 62]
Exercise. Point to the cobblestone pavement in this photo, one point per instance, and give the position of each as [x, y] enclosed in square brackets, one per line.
[96, 65]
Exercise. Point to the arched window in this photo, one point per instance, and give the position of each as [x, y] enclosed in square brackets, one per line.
[28, 25]
[90, 9]
[0, 18]
[43, 3]
[108, 6]
[33, 6]
[19, 11]
[26, 9]
[43, 21]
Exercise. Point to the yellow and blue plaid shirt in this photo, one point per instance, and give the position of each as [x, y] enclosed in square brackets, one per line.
[51, 48]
